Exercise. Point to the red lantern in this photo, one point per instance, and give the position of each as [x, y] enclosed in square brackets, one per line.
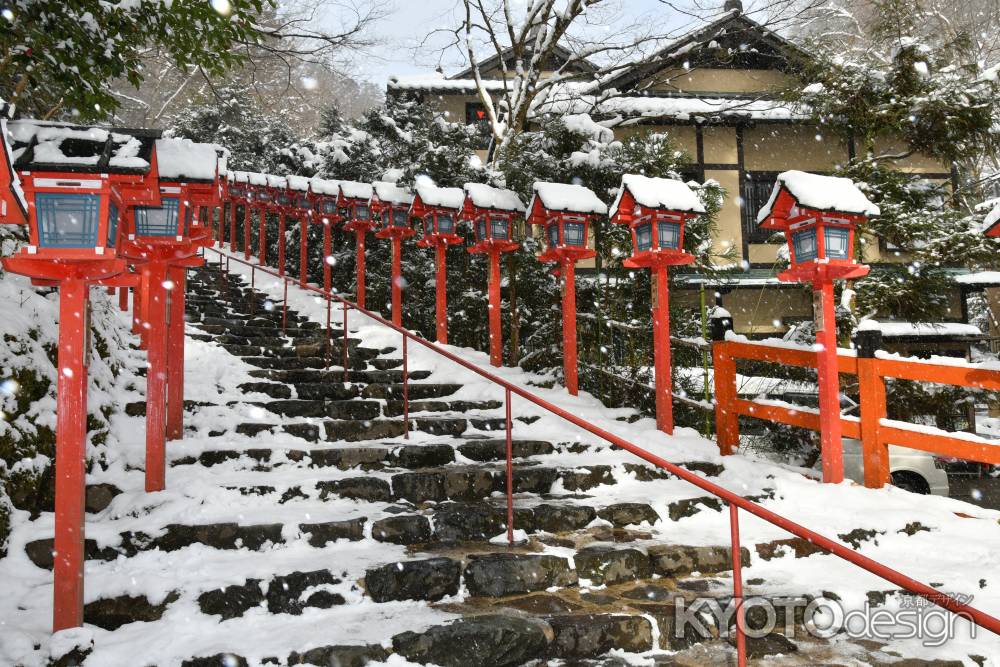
[819, 216]
[438, 210]
[565, 212]
[13, 206]
[391, 204]
[656, 210]
[239, 195]
[355, 210]
[70, 176]
[259, 197]
[492, 212]
[991, 224]
[325, 208]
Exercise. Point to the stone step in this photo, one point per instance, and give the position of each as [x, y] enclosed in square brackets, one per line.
[357, 361]
[416, 392]
[313, 375]
[278, 342]
[334, 409]
[395, 408]
[299, 349]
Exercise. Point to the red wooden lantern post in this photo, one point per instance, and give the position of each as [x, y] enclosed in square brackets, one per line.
[492, 212]
[278, 199]
[819, 216]
[354, 210]
[391, 204]
[239, 195]
[300, 206]
[259, 197]
[73, 211]
[438, 209]
[324, 197]
[565, 212]
[656, 210]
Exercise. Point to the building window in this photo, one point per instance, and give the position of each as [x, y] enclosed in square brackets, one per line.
[757, 187]
[805, 245]
[112, 224]
[836, 240]
[644, 237]
[157, 220]
[670, 235]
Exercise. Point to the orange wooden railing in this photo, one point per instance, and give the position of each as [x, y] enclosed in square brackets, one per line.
[875, 431]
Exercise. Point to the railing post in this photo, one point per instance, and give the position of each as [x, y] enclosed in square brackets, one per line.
[253, 279]
[510, 477]
[329, 334]
[343, 347]
[406, 391]
[727, 425]
[871, 387]
[741, 641]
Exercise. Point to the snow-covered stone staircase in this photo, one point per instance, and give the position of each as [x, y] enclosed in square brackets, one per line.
[299, 527]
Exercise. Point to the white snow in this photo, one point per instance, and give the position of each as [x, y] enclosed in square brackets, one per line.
[356, 190]
[582, 123]
[431, 195]
[676, 108]
[323, 186]
[567, 197]
[182, 159]
[278, 182]
[665, 193]
[979, 278]
[390, 193]
[823, 193]
[498, 199]
[298, 183]
[256, 178]
[439, 82]
[897, 329]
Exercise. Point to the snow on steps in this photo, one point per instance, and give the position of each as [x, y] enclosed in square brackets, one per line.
[272, 545]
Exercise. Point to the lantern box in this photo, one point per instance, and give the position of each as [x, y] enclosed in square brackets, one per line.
[239, 187]
[819, 216]
[77, 181]
[391, 205]
[13, 205]
[258, 194]
[281, 196]
[189, 171]
[354, 206]
[492, 212]
[324, 197]
[656, 211]
[991, 225]
[438, 210]
[564, 211]
[301, 199]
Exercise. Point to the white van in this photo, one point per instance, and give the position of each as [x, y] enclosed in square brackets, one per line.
[910, 469]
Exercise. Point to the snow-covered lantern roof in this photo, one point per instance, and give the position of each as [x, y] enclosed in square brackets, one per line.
[77, 181]
[991, 225]
[281, 197]
[190, 171]
[492, 212]
[301, 194]
[438, 210]
[257, 191]
[565, 211]
[354, 205]
[656, 210]
[391, 204]
[819, 216]
[325, 194]
[239, 186]
[13, 206]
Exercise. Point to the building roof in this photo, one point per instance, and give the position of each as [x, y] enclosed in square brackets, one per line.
[561, 58]
[47, 146]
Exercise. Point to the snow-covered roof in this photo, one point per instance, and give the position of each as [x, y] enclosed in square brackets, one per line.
[903, 329]
[979, 278]
[182, 159]
[42, 145]
[356, 190]
[683, 108]
[279, 182]
[823, 193]
[323, 186]
[299, 183]
[390, 193]
[498, 199]
[439, 82]
[665, 193]
[431, 195]
[240, 176]
[992, 218]
[567, 197]
[256, 178]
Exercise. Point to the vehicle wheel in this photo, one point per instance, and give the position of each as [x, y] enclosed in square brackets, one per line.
[910, 481]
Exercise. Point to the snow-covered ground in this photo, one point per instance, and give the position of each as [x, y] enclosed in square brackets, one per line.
[959, 552]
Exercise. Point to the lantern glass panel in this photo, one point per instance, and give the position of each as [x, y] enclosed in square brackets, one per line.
[837, 241]
[303, 203]
[445, 223]
[361, 212]
[67, 220]
[553, 232]
[263, 196]
[644, 237]
[481, 229]
[158, 220]
[670, 235]
[574, 233]
[113, 216]
[329, 207]
[188, 219]
[804, 243]
[400, 217]
[284, 199]
[499, 228]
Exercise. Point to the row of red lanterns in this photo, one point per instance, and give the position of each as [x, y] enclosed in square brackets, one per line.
[118, 209]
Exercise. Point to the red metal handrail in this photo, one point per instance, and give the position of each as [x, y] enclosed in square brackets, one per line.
[735, 501]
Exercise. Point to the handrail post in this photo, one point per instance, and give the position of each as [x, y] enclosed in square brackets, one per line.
[875, 453]
[406, 391]
[253, 283]
[329, 335]
[741, 640]
[727, 425]
[510, 476]
[343, 347]
[284, 309]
